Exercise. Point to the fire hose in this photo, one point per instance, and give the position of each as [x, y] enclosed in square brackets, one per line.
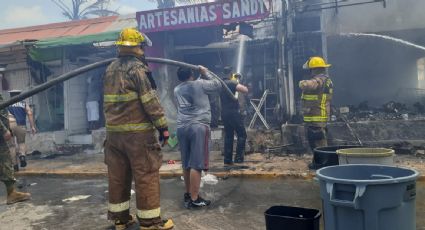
[76, 72]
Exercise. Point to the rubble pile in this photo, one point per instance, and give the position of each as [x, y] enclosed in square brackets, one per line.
[389, 111]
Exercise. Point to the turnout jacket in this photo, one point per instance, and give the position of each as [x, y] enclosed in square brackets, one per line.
[316, 99]
[131, 103]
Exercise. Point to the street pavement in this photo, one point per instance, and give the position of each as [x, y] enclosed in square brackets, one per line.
[70, 192]
[90, 165]
[238, 203]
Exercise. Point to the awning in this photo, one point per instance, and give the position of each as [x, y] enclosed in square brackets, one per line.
[48, 49]
[77, 40]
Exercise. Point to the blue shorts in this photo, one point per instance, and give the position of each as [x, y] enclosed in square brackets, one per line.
[194, 142]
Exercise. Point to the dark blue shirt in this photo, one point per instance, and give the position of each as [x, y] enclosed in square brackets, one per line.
[229, 104]
[18, 110]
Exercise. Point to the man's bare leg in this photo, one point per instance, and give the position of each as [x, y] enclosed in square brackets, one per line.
[186, 175]
[195, 183]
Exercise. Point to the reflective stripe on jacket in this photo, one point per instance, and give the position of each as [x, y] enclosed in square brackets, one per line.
[130, 102]
[316, 100]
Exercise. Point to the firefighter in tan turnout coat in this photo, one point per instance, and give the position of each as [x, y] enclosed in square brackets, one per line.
[316, 101]
[133, 114]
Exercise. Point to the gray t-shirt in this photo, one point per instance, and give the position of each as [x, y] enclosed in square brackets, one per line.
[193, 105]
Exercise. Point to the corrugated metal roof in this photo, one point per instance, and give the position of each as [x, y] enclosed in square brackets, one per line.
[72, 28]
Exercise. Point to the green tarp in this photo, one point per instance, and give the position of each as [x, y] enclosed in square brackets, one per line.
[77, 40]
[50, 49]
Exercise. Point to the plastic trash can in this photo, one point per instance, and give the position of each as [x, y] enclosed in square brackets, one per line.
[292, 218]
[326, 156]
[379, 156]
[368, 197]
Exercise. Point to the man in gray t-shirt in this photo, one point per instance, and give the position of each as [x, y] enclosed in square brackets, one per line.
[193, 129]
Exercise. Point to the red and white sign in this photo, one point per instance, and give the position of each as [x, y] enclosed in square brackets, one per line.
[207, 14]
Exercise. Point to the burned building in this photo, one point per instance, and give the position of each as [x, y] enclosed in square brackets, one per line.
[376, 51]
[50, 50]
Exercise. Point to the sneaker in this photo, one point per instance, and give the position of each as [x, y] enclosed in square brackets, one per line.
[163, 225]
[199, 203]
[186, 199]
[238, 159]
[23, 161]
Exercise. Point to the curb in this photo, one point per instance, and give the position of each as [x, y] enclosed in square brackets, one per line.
[168, 175]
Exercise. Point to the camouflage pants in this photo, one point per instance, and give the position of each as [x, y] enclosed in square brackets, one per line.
[6, 169]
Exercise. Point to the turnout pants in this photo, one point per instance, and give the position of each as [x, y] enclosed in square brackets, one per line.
[133, 156]
[233, 122]
[316, 137]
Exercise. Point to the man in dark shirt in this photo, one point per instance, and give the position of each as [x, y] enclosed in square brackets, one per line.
[232, 121]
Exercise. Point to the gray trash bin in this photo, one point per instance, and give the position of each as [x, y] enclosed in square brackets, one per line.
[368, 197]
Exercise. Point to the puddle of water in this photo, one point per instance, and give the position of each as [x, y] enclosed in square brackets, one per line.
[76, 198]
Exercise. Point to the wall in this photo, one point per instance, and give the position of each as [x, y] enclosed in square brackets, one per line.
[75, 93]
[17, 76]
[398, 15]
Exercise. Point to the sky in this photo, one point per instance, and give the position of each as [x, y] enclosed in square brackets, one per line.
[22, 13]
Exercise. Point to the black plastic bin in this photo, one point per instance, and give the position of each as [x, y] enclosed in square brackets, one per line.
[292, 218]
[326, 156]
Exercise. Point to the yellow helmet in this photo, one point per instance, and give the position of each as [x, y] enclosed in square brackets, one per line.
[236, 77]
[132, 37]
[316, 62]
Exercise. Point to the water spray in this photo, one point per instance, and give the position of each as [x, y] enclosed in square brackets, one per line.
[241, 53]
[386, 37]
[78, 71]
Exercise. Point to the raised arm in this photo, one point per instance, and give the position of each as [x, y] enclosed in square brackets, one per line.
[209, 83]
[241, 88]
[311, 84]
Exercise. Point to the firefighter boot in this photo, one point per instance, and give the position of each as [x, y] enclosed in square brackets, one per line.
[14, 196]
[122, 226]
[158, 225]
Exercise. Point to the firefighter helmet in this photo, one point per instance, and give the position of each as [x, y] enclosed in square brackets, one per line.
[316, 62]
[236, 77]
[132, 37]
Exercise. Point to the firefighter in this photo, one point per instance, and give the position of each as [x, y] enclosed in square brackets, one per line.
[6, 169]
[133, 112]
[316, 99]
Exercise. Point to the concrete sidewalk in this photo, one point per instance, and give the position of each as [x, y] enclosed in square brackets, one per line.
[90, 165]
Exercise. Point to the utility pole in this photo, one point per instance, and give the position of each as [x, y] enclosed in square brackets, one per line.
[288, 60]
